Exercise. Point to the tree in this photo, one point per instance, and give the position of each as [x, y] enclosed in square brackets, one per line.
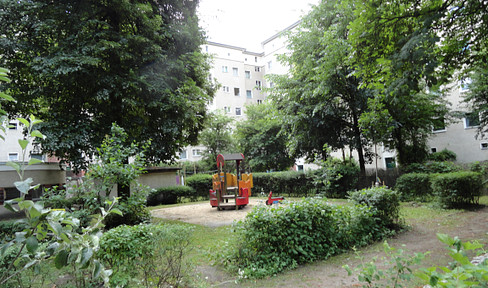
[320, 99]
[477, 96]
[217, 136]
[83, 65]
[261, 141]
[397, 52]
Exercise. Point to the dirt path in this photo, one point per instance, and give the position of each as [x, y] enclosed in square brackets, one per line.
[420, 238]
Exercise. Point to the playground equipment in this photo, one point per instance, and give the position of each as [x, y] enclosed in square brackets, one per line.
[230, 191]
[274, 200]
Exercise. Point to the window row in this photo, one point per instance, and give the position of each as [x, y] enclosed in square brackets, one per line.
[235, 71]
[238, 110]
[470, 120]
[237, 91]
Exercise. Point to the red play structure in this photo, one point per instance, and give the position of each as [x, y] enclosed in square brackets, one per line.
[230, 191]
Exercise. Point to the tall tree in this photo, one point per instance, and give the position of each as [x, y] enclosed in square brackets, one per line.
[217, 136]
[261, 141]
[477, 96]
[397, 52]
[81, 65]
[320, 99]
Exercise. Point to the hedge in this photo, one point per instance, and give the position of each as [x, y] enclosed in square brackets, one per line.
[168, 195]
[414, 186]
[289, 183]
[201, 184]
[272, 239]
[457, 188]
[384, 202]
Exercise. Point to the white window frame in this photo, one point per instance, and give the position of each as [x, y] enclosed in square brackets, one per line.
[484, 145]
[235, 72]
[12, 154]
[238, 111]
[440, 130]
[196, 152]
[433, 149]
[237, 91]
[257, 69]
[465, 121]
[183, 155]
[258, 84]
[226, 109]
[247, 74]
[249, 94]
[225, 69]
[260, 101]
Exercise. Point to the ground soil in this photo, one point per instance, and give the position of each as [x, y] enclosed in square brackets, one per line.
[420, 237]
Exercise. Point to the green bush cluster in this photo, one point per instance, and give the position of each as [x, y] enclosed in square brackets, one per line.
[201, 184]
[414, 186]
[272, 239]
[147, 255]
[9, 228]
[443, 155]
[169, 195]
[337, 177]
[384, 202]
[290, 183]
[457, 188]
[432, 167]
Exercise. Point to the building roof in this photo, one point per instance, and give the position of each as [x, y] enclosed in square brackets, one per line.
[279, 34]
[243, 50]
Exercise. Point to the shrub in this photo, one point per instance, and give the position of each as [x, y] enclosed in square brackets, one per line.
[384, 202]
[457, 188]
[443, 155]
[414, 186]
[338, 177]
[56, 197]
[134, 211]
[145, 255]
[432, 167]
[272, 239]
[291, 183]
[9, 228]
[168, 195]
[201, 184]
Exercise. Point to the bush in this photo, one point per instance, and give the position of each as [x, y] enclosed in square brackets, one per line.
[169, 195]
[9, 228]
[384, 202]
[56, 197]
[201, 184]
[414, 186]
[291, 183]
[457, 188]
[444, 155]
[432, 167]
[272, 239]
[145, 255]
[134, 211]
[338, 177]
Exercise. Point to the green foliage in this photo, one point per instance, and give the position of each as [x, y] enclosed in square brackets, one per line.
[398, 272]
[57, 198]
[320, 100]
[457, 188]
[261, 141]
[217, 136]
[9, 228]
[477, 96]
[273, 239]
[443, 155]
[414, 186]
[338, 177]
[146, 255]
[460, 273]
[432, 167]
[201, 184]
[385, 204]
[89, 64]
[291, 183]
[169, 195]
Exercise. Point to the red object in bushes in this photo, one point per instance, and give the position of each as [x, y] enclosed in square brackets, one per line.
[272, 199]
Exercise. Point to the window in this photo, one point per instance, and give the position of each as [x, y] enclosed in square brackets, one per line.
[464, 84]
[13, 156]
[433, 149]
[12, 126]
[271, 84]
[197, 152]
[248, 74]
[225, 89]
[235, 72]
[260, 101]
[255, 59]
[390, 162]
[439, 125]
[471, 120]
[224, 69]
[258, 85]
[484, 145]
[270, 65]
[236, 92]
[227, 109]
[183, 154]
[238, 111]
[206, 48]
[249, 94]
[257, 69]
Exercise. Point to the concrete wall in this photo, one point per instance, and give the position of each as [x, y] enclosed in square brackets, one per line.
[156, 177]
[41, 174]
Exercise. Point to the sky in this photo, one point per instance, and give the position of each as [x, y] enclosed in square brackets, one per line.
[247, 23]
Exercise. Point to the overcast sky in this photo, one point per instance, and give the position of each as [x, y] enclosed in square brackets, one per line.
[247, 23]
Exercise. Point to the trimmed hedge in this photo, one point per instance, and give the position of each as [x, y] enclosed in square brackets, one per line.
[414, 186]
[458, 188]
[443, 155]
[272, 239]
[290, 183]
[385, 203]
[168, 195]
[201, 184]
